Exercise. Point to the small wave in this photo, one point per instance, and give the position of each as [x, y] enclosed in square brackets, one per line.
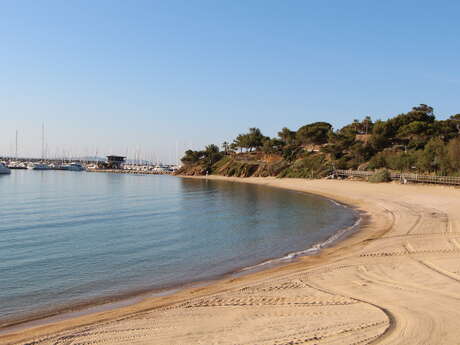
[338, 203]
[313, 250]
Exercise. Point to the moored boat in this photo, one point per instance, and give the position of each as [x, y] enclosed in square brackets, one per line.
[4, 170]
[17, 165]
[74, 167]
[38, 166]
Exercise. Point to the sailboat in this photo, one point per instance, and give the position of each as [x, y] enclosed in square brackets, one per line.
[41, 165]
[16, 164]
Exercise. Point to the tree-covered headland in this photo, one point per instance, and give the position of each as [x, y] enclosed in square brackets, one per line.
[410, 142]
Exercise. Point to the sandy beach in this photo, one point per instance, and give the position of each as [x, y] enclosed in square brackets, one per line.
[395, 281]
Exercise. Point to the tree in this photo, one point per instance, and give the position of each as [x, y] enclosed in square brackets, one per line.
[191, 157]
[212, 154]
[382, 128]
[272, 145]
[402, 161]
[422, 113]
[256, 138]
[424, 109]
[446, 129]
[211, 149]
[434, 157]
[361, 152]
[378, 161]
[356, 125]
[249, 141]
[366, 125]
[415, 133]
[241, 142]
[453, 152]
[456, 120]
[315, 133]
[287, 136]
[208, 157]
[378, 142]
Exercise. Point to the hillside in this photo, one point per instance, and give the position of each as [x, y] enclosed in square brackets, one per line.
[409, 142]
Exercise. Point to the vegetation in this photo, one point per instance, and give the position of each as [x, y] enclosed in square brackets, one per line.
[382, 175]
[409, 142]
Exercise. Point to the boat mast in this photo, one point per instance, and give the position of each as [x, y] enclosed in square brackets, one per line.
[43, 140]
[177, 154]
[16, 150]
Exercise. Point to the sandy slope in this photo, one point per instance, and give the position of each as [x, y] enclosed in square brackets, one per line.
[397, 281]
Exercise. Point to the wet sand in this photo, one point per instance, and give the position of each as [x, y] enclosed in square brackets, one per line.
[396, 281]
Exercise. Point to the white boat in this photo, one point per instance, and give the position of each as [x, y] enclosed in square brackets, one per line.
[38, 166]
[17, 165]
[74, 167]
[4, 170]
[161, 168]
[92, 166]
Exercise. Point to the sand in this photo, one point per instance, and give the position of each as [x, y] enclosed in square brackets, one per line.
[396, 281]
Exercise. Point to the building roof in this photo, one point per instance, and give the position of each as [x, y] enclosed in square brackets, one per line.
[116, 157]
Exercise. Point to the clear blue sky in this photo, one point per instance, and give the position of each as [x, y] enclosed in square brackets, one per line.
[118, 75]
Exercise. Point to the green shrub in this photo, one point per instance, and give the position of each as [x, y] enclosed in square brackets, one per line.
[382, 175]
[378, 161]
[313, 165]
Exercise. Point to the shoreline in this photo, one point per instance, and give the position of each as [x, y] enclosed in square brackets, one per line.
[395, 281]
[131, 298]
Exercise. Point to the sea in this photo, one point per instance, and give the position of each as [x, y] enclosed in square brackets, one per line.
[73, 239]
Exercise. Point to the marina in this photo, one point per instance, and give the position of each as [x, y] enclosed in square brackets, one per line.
[107, 166]
[67, 162]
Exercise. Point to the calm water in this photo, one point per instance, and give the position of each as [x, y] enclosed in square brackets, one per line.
[67, 237]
